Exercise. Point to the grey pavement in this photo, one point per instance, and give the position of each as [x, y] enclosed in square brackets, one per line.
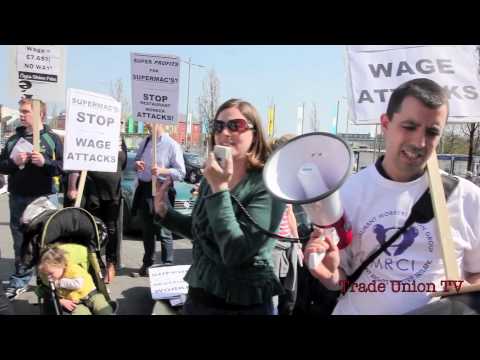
[131, 293]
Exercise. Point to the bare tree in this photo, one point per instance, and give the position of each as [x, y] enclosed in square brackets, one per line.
[208, 102]
[452, 141]
[314, 120]
[118, 93]
[471, 132]
[53, 116]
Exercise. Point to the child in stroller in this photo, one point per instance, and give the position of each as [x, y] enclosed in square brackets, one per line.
[74, 286]
[75, 231]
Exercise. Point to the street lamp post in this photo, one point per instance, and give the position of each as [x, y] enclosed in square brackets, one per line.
[336, 122]
[189, 62]
[338, 110]
[303, 115]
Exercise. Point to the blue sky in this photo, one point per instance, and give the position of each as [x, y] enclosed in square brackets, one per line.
[286, 76]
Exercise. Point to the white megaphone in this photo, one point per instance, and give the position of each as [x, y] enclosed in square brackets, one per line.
[309, 170]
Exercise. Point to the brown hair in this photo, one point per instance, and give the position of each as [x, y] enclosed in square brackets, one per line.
[282, 140]
[53, 256]
[43, 106]
[259, 150]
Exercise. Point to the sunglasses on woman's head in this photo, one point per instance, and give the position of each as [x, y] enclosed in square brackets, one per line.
[237, 125]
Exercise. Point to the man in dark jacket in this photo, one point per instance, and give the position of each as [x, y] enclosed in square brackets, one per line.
[30, 175]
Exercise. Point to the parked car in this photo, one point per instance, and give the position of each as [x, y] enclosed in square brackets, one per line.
[193, 166]
[184, 200]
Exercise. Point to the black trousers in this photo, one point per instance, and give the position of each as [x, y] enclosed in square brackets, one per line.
[108, 212]
[151, 232]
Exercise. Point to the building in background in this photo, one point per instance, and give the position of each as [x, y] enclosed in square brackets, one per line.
[361, 141]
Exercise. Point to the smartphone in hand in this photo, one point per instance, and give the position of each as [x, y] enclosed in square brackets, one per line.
[222, 153]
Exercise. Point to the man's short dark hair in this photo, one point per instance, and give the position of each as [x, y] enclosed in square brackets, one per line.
[427, 91]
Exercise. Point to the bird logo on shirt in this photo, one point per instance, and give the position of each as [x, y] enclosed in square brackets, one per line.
[408, 238]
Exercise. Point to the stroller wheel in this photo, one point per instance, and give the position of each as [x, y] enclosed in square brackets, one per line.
[114, 305]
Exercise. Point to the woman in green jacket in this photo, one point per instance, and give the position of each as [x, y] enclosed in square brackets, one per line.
[231, 272]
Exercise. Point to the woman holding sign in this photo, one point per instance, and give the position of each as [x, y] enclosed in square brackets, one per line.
[232, 269]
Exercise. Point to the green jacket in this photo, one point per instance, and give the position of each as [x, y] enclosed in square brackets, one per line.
[232, 259]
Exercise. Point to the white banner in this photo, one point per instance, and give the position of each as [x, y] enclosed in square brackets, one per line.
[92, 132]
[38, 71]
[374, 71]
[155, 88]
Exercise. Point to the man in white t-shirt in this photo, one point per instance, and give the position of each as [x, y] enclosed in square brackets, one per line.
[377, 202]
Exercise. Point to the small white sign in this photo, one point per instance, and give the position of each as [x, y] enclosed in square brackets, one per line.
[21, 145]
[166, 282]
[155, 88]
[375, 71]
[38, 71]
[92, 132]
[178, 300]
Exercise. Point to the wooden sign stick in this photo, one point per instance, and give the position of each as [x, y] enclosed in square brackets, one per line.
[154, 157]
[36, 125]
[439, 203]
[441, 215]
[81, 186]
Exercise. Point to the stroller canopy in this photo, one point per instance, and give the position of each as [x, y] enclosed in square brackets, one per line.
[73, 225]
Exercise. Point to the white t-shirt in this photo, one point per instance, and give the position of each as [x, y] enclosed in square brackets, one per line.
[376, 208]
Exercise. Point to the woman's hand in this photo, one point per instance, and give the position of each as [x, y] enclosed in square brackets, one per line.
[218, 177]
[161, 197]
[327, 271]
[70, 305]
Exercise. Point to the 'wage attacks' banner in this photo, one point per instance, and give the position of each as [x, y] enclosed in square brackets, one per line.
[92, 132]
[375, 71]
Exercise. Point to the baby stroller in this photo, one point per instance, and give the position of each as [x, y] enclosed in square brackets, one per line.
[74, 230]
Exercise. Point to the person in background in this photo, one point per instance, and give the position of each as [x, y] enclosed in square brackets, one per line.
[287, 256]
[30, 175]
[102, 198]
[170, 164]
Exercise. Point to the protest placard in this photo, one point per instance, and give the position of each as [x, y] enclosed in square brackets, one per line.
[155, 87]
[166, 282]
[375, 71]
[21, 145]
[37, 71]
[92, 132]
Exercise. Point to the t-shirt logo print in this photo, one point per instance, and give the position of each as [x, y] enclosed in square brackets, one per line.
[408, 238]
